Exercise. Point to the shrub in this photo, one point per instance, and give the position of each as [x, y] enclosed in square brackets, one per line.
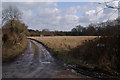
[105, 55]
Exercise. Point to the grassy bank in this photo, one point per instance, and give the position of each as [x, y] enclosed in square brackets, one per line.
[14, 51]
[102, 52]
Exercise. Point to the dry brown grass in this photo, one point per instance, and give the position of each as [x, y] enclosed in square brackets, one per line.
[62, 44]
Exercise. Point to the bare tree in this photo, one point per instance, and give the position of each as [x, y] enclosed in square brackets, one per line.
[108, 6]
[10, 14]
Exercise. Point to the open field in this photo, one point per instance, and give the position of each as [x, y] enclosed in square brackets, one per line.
[62, 44]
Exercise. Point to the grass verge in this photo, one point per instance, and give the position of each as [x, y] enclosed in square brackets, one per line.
[11, 54]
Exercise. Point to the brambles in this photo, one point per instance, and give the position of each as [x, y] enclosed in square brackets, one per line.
[103, 52]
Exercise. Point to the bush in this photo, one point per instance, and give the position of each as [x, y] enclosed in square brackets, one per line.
[103, 52]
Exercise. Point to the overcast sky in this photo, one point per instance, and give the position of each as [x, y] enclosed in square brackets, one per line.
[62, 15]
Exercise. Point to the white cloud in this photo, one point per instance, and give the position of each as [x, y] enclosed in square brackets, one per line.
[71, 18]
[90, 12]
[49, 15]
[27, 13]
[29, 5]
[99, 10]
[50, 11]
[54, 0]
[113, 3]
[91, 15]
[71, 10]
[51, 18]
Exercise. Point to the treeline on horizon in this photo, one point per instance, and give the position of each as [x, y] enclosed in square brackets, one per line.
[102, 29]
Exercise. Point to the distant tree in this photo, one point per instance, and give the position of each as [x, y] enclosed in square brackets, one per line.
[74, 30]
[45, 32]
[77, 28]
[84, 31]
[91, 30]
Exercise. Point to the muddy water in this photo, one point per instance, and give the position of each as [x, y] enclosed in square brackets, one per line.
[36, 65]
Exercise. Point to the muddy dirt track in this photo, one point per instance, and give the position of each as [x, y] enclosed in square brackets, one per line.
[36, 65]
